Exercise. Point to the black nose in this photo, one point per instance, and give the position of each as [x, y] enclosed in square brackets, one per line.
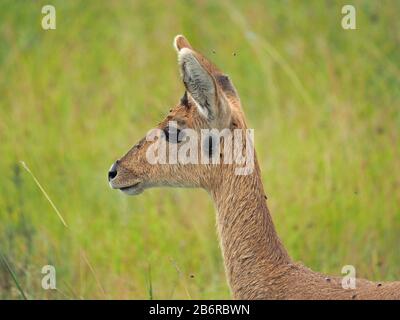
[113, 171]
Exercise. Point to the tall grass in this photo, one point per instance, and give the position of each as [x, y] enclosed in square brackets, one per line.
[324, 103]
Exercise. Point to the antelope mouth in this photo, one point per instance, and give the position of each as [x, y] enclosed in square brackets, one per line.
[133, 189]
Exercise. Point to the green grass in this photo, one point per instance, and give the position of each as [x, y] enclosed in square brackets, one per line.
[324, 103]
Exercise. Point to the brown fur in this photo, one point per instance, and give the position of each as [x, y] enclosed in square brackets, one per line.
[257, 265]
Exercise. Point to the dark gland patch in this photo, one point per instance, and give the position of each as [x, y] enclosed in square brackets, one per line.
[185, 100]
[172, 134]
[139, 144]
[226, 84]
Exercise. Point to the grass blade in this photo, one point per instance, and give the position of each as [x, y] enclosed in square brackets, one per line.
[13, 275]
[181, 276]
[238, 18]
[150, 283]
[93, 273]
[44, 193]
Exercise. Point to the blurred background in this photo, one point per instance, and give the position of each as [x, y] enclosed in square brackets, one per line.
[324, 103]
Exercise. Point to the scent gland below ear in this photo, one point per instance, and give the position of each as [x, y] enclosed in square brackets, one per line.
[173, 134]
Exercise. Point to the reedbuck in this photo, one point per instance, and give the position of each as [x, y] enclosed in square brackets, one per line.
[256, 263]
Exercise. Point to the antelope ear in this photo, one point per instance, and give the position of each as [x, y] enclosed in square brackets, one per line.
[199, 83]
[201, 86]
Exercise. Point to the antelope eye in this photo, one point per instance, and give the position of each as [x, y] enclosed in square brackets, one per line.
[172, 134]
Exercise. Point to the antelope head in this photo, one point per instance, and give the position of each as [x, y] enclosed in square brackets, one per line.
[209, 102]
